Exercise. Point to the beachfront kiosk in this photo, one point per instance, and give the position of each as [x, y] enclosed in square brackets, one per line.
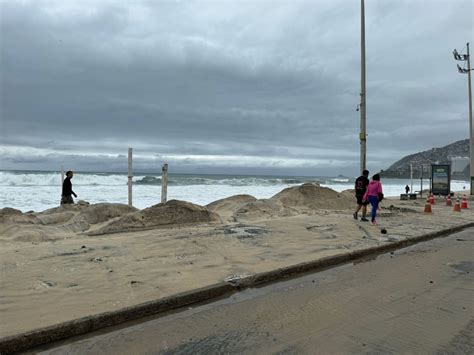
[441, 179]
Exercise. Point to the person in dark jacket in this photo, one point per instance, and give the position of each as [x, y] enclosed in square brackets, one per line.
[66, 196]
[361, 184]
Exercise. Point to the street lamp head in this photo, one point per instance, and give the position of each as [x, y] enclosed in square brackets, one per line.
[456, 54]
[462, 70]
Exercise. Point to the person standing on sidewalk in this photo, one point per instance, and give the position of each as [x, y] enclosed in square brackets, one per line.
[361, 184]
[374, 195]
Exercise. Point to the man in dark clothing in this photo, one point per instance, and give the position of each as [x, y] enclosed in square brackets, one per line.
[67, 189]
[407, 189]
[361, 184]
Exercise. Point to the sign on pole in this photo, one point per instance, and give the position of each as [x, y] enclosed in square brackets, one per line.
[441, 179]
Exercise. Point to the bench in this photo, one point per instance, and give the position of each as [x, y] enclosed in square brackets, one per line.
[407, 196]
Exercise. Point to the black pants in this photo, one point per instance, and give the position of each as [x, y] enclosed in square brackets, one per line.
[66, 200]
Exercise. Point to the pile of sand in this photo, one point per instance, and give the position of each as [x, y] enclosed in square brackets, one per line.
[227, 207]
[311, 196]
[33, 233]
[173, 212]
[69, 220]
[57, 223]
[262, 209]
[12, 216]
[90, 214]
[102, 212]
[306, 198]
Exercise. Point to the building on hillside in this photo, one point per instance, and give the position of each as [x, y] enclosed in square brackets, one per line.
[458, 164]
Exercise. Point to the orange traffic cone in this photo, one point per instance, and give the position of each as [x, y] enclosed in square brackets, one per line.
[431, 199]
[448, 201]
[464, 202]
[428, 205]
[457, 206]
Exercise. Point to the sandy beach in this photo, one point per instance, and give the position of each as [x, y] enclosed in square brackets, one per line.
[82, 259]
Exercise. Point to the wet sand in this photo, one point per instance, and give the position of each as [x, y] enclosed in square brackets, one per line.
[64, 264]
[415, 300]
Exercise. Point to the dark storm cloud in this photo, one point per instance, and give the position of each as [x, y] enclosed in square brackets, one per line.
[230, 84]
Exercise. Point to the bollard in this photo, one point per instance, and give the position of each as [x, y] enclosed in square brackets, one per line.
[457, 206]
[428, 206]
[448, 201]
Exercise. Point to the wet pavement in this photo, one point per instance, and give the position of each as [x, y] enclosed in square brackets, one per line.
[417, 300]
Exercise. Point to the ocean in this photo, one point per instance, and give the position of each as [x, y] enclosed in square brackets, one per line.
[40, 190]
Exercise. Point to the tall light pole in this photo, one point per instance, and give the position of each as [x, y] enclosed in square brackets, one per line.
[466, 57]
[362, 105]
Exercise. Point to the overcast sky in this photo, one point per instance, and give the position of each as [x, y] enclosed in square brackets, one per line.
[250, 87]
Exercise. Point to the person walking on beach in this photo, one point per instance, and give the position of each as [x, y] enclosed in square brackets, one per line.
[407, 189]
[374, 195]
[361, 184]
[66, 196]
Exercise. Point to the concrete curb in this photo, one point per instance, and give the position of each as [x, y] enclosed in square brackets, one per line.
[80, 326]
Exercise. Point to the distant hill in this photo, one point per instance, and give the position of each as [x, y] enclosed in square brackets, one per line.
[443, 155]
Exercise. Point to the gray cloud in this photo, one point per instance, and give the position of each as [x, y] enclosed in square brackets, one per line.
[224, 86]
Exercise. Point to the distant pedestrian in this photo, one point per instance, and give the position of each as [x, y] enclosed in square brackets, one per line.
[361, 184]
[66, 196]
[374, 195]
[407, 189]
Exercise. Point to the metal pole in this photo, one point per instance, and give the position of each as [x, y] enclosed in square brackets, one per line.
[362, 135]
[130, 176]
[411, 177]
[421, 182]
[471, 137]
[164, 183]
[62, 174]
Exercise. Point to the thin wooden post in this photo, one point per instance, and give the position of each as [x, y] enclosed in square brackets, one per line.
[130, 176]
[164, 183]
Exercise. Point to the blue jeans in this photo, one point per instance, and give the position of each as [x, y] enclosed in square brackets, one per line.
[374, 201]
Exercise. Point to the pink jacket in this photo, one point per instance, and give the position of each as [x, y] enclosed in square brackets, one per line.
[374, 188]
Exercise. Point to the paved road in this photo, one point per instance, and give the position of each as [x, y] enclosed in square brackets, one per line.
[417, 300]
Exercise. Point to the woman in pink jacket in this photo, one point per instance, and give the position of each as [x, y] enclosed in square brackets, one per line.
[373, 195]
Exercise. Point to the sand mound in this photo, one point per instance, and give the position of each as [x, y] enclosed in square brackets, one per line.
[102, 212]
[226, 207]
[12, 216]
[63, 208]
[262, 209]
[34, 233]
[30, 228]
[311, 196]
[349, 194]
[7, 211]
[84, 213]
[16, 225]
[173, 212]
[55, 218]
[57, 223]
